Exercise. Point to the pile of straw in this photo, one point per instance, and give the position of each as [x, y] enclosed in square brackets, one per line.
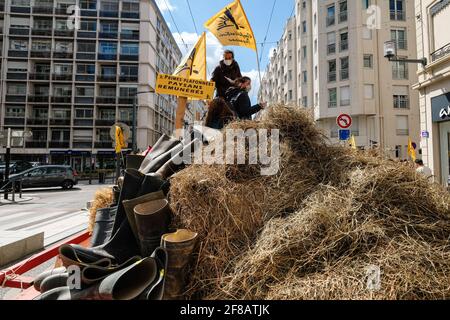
[103, 198]
[315, 229]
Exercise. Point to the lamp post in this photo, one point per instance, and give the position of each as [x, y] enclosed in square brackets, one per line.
[135, 103]
[390, 52]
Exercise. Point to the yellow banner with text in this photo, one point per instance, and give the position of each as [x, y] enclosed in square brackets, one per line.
[181, 87]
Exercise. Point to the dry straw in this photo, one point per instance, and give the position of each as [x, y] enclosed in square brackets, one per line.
[103, 199]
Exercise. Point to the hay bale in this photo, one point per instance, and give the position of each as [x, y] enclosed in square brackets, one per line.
[328, 213]
[103, 198]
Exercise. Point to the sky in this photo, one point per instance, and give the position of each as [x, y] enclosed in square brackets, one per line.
[258, 13]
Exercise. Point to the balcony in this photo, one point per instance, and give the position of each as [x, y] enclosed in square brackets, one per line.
[126, 100]
[64, 33]
[106, 100]
[332, 76]
[344, 45]
[82, 144]
[332, 104]
[19, 31]
[59, 144]
[16, 76]
[36, 144]
[108, 35]
[64, 11]
[63, 55]
[83, 122]
[40, 54]
[60, 122]
[62, 77]
[128, 78]
[344, 74]
[37, 121]
[398, 15]
[107, 78]
[86, 56]
[18, 53]
[66, 99]
[129, 14]
[84, 77]
[43, 9]
[331, 48]
[109, 14]
[15, 98]
[84, 100]
[133, 35]
[39, 76]
[107, 56]
[105, 123]
[103, 145]
[343, 16]
[129, 57]
[331, 21]
[440, 53]
[42, 32]
[87, 34]
[88, 13]
[14, 121]
[16, 9]
[38, 98]
[401, 102]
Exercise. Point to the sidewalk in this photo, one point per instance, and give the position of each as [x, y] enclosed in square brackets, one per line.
[17, 200]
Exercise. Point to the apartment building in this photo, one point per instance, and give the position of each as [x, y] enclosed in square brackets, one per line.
[433, 43]
[67, 80]
[341, 69]
[280, 79]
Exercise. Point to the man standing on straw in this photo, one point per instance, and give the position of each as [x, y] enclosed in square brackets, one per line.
[226, 73]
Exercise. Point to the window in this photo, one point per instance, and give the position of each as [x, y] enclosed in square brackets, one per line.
[290, 75]
[128, 91]
[43, 24]
[344, 68]
[86, 68]
[397, 8]
[305, 101]
[108, 48]
[88, 47]
[366, 4]
[331, 70]
[109, 27]
[316, 72]
[332, 98]
[315, 45]
[107, 114]
[401, 102]
[355, 126]
[61, 113]
[344, 41]
[85, 91]
[331, 15]
[62, 91]
[63, 47]
[20, 3]
[399, 70]
[331, 38]
[129, 49]
[304, 26]
[108, 71]
[304, 52]
[399, 36]
[368, 91]
[130, 6]
[41, 46]
[60, 135]
[343, 11]
[19, 45]
[84, 113]
[15, 112]
[368, 61]
[305, 76]
[17, 89]
[111, 6]
[108, 92]
[88, 25]
[291, 96]
[61, 69]
[345, 96]
[402, 125]
[316, 102]
[88, 4]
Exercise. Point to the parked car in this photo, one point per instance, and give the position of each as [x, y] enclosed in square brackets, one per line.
[47, 176]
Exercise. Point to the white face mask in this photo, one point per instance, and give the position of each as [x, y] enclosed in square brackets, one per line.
[228, 62]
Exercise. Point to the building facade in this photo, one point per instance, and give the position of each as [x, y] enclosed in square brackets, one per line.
[341, 69]
[434, 85]
[68, 78]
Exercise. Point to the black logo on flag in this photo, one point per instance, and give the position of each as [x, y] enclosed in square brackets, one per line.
[228, 21]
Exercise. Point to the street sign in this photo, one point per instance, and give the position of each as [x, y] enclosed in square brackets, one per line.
[344, 135]
[344, 121]
[425, 134]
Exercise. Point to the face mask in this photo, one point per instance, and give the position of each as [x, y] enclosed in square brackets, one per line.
[228, 62]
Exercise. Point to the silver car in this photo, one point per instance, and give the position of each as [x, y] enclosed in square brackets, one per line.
[46, 177]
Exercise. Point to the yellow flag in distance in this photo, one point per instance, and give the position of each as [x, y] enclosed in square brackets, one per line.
[193, 65]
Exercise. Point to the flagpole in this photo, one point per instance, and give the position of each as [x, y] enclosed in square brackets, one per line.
[259, 67]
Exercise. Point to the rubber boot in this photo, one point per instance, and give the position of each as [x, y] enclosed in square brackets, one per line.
[159, 155]
[156, 290]
[93, 274]
[104, 221]
[152, 221]
[180, 246]
[54, 281]
[134, 161]
[176, 163]
[125, 284]
[38, 280]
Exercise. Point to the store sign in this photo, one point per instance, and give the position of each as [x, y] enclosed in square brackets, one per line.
[440, 107]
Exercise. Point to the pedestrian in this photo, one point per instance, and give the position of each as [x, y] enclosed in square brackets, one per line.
[219, 114]
[422, 169]
[226, 73]
[239, 100]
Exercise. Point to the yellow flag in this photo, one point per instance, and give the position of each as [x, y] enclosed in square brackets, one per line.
[193, 65]
[411, 150]
[120, 143]
[353, 142]
[231, 27]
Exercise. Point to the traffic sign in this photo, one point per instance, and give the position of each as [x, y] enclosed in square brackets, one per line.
[344, 135]
[344, 121]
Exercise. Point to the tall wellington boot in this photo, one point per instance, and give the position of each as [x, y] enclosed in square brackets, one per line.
[120, 182]
[116, 195]
[152, 221]
[104, 221]
[156, 290]
[134, 161]
[125, 284]
[54, 281]
[158, 155]
[93, 274]
[38, 280]
[130, 204]
[176, 163]
[180, 246]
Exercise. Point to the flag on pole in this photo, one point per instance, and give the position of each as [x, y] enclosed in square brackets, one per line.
[352, 143]
[193, 65]
[120, 141]
[411, 150]
[231, 27]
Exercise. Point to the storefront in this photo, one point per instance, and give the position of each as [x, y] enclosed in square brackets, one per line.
[81, 161]
[440, 108]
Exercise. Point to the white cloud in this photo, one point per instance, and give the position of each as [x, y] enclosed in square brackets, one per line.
[165, 5]
[254, 75]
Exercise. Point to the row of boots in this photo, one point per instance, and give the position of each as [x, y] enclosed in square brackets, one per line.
[134, 255]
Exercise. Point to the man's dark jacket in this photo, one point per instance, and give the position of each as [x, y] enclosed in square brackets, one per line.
[232, 72]
[240, 103]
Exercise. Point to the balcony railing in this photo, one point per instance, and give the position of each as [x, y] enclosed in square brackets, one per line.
[39, 76]
[59, 144]
[108, 35]
[331, 76]
[107, 56]
[344, 74]
[88, 13]
[66, 99]
[134, 35]
[18, 53]
[402, 44]
[105, 122]
[38, 98]
[62, 77]
[129, 57]
[126, 100]
[87, 34]
[43, 9]
[15, 98]
[60, 122]
[63, 55]
[397, 15]
[401, 103]
[106, 100]
[441, 52]
[19, 31]
[16, 9]
[331, 48]
[83, 122]
[128, 78]
[332, 104]
[42, 32]
[64, 33]
[103, 145]
[89, 100]
[82, 144]
[130, 14]
[14, 121]
[85, 77]
[331, 21]
[107, 78]
[37, 121]
[36, 144]
[16, 76]
[110, 14]
[343, 16]
[86, 56]
[41, 54]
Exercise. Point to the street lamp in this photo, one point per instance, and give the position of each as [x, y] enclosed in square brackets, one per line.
[134, 138]
[390, 52]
